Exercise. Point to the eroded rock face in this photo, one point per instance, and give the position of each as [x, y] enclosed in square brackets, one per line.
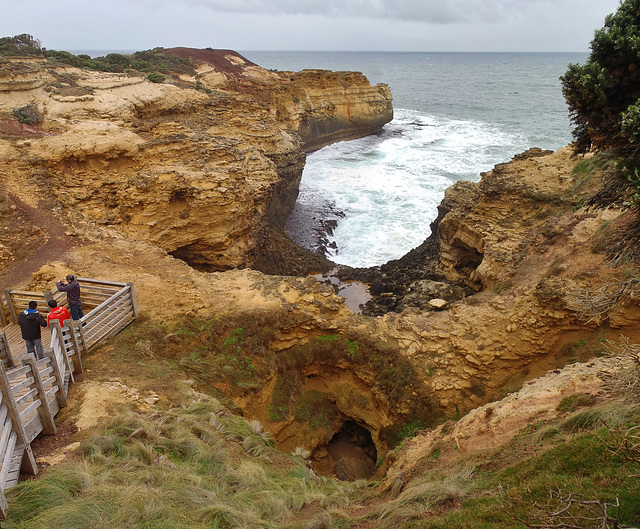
[471, 352]
[508, 255]
[208, 174]
[485, 231]
[338, 395]
[325, 107]
[168, 186]
[490, 427]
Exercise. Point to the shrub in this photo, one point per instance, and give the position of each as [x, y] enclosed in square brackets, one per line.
[28, 114]
[156, 77]
[64, 57]
[151, 61]
[124, 61]
[286, 387]
[575, 401]
[409, 429]
[603, 95]
[315, 409]
[23, 44]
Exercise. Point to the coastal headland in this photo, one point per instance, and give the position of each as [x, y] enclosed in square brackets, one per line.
[184, 187]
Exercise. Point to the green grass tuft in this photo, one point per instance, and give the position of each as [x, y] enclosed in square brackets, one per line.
[197, 466]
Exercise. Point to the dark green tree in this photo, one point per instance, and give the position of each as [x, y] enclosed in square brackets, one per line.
[603, 95]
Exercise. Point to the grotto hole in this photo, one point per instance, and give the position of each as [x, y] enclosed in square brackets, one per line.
[467, 257]
[350, 454]
[197, 255]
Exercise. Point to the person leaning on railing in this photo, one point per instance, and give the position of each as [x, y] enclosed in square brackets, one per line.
[57, 313]
[72, 288]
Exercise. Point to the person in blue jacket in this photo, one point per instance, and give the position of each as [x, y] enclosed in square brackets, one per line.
[30, 321]
[72, 288]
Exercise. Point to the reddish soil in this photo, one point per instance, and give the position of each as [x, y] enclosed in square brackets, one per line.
[216, 58]
[13, 127]
[36, 237]
[49, 444]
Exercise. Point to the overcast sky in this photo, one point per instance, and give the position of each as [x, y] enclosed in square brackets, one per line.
[338, 25]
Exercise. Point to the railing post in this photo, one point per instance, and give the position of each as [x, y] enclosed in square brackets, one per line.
[3, 320]
[81, 331]
[12, 309]
[56, 333]
[134, 303]
[48, 296]
[28, 461]
[4, 506]
[77, 360]
[44, 410]
[5, 352]
[61, 394]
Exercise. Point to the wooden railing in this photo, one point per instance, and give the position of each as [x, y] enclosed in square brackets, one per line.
[5, 355]
[94, 292]
[5, 315]
[113, 305]
[32, 393]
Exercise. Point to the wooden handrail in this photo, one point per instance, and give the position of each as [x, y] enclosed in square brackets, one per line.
[3, 307]
[99, 282]
[12, 311]
[31, 394]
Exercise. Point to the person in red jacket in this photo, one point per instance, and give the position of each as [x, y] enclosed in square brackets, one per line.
[57, 313]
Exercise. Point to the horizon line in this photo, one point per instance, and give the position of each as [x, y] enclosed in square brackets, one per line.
[240, 50]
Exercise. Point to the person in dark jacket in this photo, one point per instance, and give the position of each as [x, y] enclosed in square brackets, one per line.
[72, 288]
[30, 321]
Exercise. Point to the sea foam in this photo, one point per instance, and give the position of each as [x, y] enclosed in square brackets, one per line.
[389, 186]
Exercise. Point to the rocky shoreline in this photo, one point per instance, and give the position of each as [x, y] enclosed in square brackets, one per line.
[207, 166]
[311, 223]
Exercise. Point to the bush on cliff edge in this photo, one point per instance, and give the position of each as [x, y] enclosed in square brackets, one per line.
[603, 95]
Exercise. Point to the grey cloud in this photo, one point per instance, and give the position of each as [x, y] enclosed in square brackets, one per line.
[429, 11]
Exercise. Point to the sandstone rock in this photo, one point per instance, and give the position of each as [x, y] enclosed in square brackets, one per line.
[437, 303]
[183, 191]
[208, 177]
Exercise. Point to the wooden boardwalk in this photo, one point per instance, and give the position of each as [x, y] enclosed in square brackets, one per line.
[17, 347]
[32, 391]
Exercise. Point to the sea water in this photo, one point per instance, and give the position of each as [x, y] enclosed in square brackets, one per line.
[455, 116]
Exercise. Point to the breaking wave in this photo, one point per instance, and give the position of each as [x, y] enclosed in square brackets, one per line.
[389, 186]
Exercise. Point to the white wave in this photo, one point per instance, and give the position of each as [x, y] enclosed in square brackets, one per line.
[389, 185]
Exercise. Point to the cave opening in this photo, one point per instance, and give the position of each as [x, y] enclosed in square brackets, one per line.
[467, 257]
[350, 455]
[196, 255]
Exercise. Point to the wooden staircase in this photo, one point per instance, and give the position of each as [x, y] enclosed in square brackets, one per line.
[32, 391]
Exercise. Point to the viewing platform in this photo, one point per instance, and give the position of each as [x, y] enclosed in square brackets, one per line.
[32, 391]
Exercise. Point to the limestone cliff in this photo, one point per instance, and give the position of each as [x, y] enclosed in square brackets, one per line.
[510, 262]
[181, 188]
[518, 321]
[205, 167]
[331, 106]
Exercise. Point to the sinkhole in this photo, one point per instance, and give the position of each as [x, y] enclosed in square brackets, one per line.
[350, 454]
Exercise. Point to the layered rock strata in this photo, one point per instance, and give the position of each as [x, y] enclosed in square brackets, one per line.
[177, 189]
[205, 167]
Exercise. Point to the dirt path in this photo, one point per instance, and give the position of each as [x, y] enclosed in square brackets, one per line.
[36, 237]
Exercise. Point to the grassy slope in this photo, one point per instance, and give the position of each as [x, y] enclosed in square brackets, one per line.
[198, 465]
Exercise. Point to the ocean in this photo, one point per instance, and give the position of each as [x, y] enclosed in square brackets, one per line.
[455, 116]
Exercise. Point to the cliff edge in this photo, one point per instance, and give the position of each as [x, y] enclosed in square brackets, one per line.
[204, 166]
